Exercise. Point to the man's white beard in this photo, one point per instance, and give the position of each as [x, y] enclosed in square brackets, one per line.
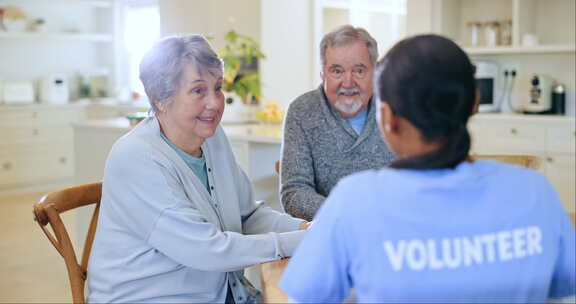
[348, 105]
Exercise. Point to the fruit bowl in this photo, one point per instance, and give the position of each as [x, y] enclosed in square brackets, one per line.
[270, 113]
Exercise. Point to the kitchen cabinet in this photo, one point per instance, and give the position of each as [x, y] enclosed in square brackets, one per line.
[105, 111]
[551, 22]
[256, 148]
[541, 39]
[77, 37]
[36, 146]
[37, 143]
[257, 158]
[551, 138]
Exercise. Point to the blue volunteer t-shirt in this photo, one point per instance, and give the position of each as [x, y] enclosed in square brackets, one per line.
[482, 232]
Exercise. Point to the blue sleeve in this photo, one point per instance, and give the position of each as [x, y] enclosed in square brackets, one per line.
[318, 272]
[564, 277]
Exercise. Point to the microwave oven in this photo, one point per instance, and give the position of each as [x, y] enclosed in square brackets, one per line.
[17, 92]
[489, 84]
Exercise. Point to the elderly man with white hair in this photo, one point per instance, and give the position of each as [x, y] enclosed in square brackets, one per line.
[331, 132]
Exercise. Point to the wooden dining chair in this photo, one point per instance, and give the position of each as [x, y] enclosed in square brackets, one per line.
[528, 161]
[277, 166]
[48, 210]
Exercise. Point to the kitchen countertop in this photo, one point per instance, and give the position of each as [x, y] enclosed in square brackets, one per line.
[102, 102]
[521, 117]
[257, 133]
[261, 133]
[272, 133]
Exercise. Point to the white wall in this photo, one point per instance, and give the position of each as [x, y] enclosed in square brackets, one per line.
[287, 39]
[419, 16]
[214, 17]
[283, 27]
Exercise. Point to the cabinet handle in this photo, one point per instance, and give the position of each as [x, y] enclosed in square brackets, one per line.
[549, 159]
[35, 132]
[62, 160]
[514, 131]
[7, 166]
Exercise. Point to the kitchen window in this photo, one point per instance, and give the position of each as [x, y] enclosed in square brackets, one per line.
[140, 22]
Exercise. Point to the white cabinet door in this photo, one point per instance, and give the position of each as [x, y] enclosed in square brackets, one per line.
[561, 138]
[241, 150]
[561, 172]
[36, 145]
[35, 134]
[29, 165]
[491, 137]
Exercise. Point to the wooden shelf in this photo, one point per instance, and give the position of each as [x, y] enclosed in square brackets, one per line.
[95, 3]
[374, 6]
[541, 49]
[59, 36]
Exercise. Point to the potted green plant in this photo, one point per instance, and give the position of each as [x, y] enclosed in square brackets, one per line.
[240, 55]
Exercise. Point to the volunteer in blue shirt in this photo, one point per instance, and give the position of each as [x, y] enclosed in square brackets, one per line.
[435, 226]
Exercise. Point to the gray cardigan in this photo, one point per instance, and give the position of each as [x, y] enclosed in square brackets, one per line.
[162, 237]
[319, 148]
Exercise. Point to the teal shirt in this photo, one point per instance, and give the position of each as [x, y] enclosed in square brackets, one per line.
[357, 122]
[197, 164]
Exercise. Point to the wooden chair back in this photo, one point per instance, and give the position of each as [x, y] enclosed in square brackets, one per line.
[48, 210]
[277, 167]
[528, 161]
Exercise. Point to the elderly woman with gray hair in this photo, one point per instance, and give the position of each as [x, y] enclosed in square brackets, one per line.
[178, 222]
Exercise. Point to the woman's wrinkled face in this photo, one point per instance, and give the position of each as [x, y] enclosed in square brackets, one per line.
[198, 104]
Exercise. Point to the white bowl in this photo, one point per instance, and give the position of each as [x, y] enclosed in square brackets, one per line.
[15, 25]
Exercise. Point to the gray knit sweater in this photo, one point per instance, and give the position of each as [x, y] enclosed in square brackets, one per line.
[319, 148]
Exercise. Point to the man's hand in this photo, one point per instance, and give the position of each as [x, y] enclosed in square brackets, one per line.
[304, 225]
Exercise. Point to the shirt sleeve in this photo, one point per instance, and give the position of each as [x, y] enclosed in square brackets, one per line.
[298, 188]
[564, 276]
[184, 235]
[147, 200]
[256, 216]
[319, 271]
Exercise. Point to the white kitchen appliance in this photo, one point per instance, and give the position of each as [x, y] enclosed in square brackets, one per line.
[54, 89]
[540, 94]
[17, 92]
[489, 84]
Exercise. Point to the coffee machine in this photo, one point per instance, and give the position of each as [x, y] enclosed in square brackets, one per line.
[54, 89]
[540, 94]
